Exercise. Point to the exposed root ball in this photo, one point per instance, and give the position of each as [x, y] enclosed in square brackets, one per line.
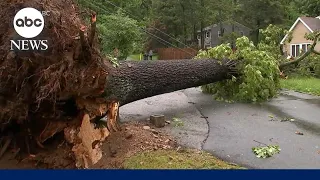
[38, 90]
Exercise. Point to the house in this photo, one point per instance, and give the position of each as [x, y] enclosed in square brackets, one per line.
[298, 43]
[212, 34]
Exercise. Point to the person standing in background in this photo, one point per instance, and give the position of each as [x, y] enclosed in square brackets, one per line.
[145, 56]
[150, 54]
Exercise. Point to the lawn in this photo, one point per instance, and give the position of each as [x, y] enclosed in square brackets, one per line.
[171, 159]
[308, 85]
[136, 57]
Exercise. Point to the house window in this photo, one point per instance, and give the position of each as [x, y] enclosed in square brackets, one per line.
[241, 33]
[208, 34]
[299, 49]
[223, 31]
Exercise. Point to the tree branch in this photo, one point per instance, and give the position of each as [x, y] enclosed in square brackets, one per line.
[85, 49]
[93, 29]
[306, 54]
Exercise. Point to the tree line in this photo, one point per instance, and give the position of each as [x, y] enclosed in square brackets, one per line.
[164, 23]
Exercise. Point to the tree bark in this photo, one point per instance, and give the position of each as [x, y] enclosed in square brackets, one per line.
[132, 81]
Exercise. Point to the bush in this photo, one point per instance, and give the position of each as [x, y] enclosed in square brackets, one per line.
[310, 66]
[260, 73]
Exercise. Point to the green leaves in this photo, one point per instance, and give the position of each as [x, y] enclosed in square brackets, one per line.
[266, 152]
[177, 122]
[113, 60]
[260, 73]
[118, 32]
[309, 7]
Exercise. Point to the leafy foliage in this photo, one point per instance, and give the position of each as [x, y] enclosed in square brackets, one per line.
[309, 66]
[309, 7]
[118, 32]
[270, 40]
[260, 73]
[267, 151]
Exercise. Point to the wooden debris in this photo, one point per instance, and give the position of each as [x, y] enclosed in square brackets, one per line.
[5, 147]
[87, 142]
[112, 122]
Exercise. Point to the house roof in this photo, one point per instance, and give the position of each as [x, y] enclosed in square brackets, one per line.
[311, 23]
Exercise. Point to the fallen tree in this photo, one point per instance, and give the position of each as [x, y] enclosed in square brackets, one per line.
[310, 50]
[71, 86]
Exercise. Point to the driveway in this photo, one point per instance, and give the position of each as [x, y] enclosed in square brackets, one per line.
[229, 131]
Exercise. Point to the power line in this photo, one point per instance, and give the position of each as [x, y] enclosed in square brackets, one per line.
[106, 11]
[153, 27]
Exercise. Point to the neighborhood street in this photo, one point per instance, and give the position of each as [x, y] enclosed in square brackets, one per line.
[229, 131]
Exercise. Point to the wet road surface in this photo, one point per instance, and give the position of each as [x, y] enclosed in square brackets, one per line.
[229, 131]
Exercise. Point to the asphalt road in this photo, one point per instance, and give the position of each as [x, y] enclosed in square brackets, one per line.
[229, 131]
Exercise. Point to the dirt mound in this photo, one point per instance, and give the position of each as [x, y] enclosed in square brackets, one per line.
[131, 140]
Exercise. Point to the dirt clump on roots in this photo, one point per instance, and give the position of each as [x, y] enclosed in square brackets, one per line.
[39, 91]
[131, 140]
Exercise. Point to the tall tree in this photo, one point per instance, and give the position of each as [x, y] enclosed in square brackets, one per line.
[309, 7]
[258, 14]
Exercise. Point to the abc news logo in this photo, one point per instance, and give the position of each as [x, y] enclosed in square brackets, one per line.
[29, 23]
[26, 22]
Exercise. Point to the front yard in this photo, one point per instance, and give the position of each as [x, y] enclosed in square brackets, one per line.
[308, 85]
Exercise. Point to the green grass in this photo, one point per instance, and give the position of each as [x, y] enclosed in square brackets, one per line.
[308, 85]
[136, 57]
[170, 159]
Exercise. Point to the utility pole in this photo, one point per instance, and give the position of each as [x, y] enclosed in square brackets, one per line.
[202, 23]
[234, 3]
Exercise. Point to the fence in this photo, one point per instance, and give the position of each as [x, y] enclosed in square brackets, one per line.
[175, 53]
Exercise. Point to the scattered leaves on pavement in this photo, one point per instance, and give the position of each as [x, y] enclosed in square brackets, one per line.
[177, 122]
[285, 119]
[266, 151]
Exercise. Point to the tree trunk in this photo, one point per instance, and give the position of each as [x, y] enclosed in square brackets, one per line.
[201, 35]
[132, 81]
[257, 32]
[195, 36]
[202, 24]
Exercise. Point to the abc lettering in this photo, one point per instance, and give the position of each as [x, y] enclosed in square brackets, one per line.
[28, 22]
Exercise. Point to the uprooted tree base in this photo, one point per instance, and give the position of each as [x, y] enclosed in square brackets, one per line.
[43, 93]
[122, 145]
[71, 86]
